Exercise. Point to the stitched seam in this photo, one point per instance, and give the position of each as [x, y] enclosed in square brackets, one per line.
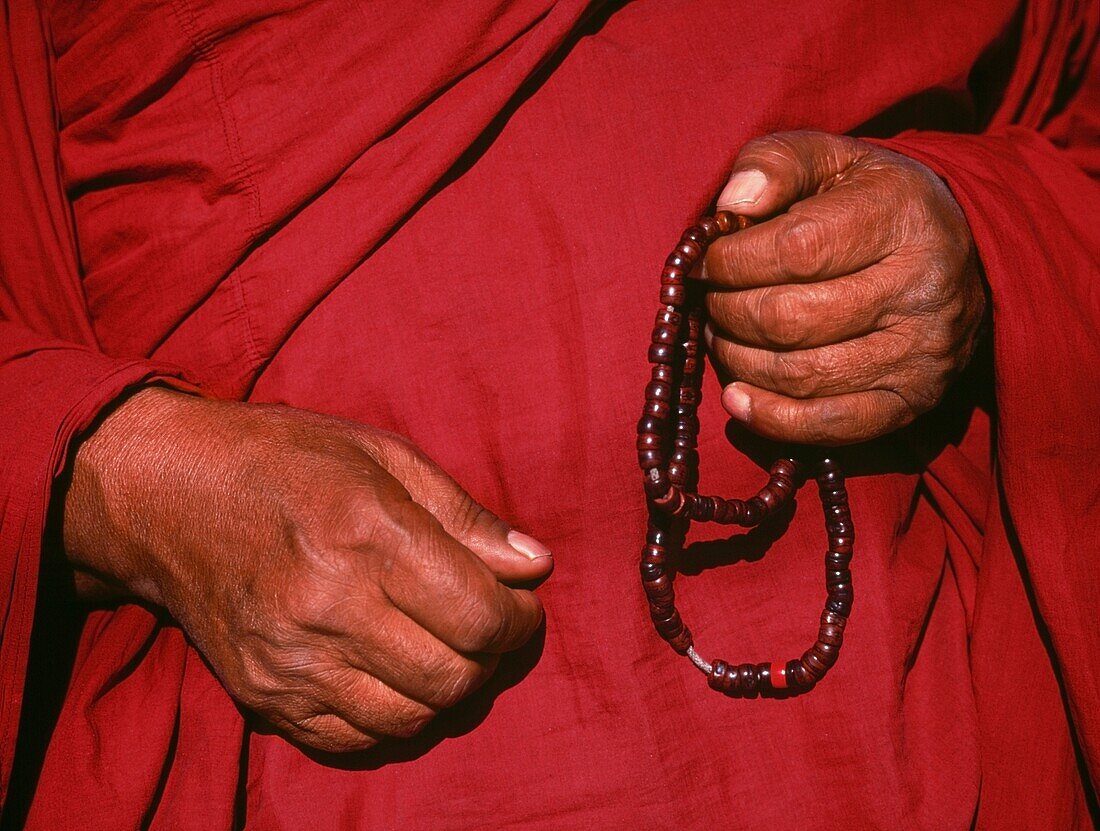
[203, 46]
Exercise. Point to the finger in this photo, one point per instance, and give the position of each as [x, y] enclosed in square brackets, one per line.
[775, 171]
[849, 366]
[445, 588]
[399, 652]
[329, 733]
[370, 705]
[848, 228]
[511, 555]
[838, 419]
[786, 317]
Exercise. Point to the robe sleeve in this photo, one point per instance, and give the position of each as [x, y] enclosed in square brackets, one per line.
[53, 379]
[1030, 188]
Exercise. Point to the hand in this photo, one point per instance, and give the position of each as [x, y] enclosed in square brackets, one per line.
[846, 314]
[340, 584]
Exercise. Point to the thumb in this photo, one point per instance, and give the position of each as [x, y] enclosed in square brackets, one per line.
[514, 557]
[775, 171]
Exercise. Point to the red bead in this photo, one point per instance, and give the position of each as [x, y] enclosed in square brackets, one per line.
[778, 676]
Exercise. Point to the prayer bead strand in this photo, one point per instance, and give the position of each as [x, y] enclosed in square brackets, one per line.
[667, 453]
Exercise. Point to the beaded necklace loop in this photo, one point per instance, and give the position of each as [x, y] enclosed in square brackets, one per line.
[667, 434]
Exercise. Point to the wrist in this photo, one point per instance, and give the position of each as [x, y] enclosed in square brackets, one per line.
[109, 526]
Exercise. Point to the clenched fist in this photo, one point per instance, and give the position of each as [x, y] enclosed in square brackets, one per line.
[846, 312]
[337, 580]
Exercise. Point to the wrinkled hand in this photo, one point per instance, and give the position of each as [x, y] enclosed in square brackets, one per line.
[339, 582]
[847, 313]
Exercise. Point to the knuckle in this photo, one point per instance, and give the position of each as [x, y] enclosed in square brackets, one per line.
[798, 375]
[331, 734]
[407, 718]
[778, 318]
[800, 248]
[454, 683]
[480, 625]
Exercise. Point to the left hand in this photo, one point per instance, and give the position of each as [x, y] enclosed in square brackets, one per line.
[847, 314]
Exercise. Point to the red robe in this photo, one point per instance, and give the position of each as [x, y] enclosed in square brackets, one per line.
[448, 221]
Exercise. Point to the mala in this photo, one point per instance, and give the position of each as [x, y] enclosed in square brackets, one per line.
[667, 434]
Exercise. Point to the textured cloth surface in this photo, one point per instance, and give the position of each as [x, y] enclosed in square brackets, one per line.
[448, 221]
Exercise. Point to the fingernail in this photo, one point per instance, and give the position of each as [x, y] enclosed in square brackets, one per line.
[529, 547]
[737, 402]
[708, 334]
[745, 188]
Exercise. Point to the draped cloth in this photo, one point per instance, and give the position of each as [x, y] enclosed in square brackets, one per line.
[448, 221]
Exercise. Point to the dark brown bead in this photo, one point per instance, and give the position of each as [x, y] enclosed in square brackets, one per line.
[784, 467]
[648, 441]
[673, 295]
[662, 374]
[747, 674]
[669, 624]
[657, 409]
[725, 221]
[654, 554]
[658, 391]
[661, 353]
[836, 577]
[839, 542]
[651, 570]
[806, 679]
[753, 513]
[684, 442]
[763, 673]
[709, 226]
[831, 633]
[839, 605]
[678, 474]
[656, 534]
[704, 509]
[695, 234]
[730, 512]
[670, 502]
[659, 591]
[829, 618]
[670, 318]
[656, 483]
[664, 333]
[650, 424]
[691, 349]
[843, 591]
[796, 675]
[770, 499]
[671, 276]
[689, 396]
[717, 677]
[689, 250]
[835, 559]
[827, 653]
[685, 456]
[687, 507]
[783, 487]
[676, 260]
[682, 642]
[648, 459]
[814, 665]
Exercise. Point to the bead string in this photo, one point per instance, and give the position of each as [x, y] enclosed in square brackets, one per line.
[667, 437]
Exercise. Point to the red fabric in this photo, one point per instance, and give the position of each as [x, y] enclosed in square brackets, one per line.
[447, 222]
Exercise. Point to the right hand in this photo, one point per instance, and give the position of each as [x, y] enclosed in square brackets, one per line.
[339, 582]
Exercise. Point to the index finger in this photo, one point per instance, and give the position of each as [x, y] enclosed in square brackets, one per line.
[447, 589]
[842, 230]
